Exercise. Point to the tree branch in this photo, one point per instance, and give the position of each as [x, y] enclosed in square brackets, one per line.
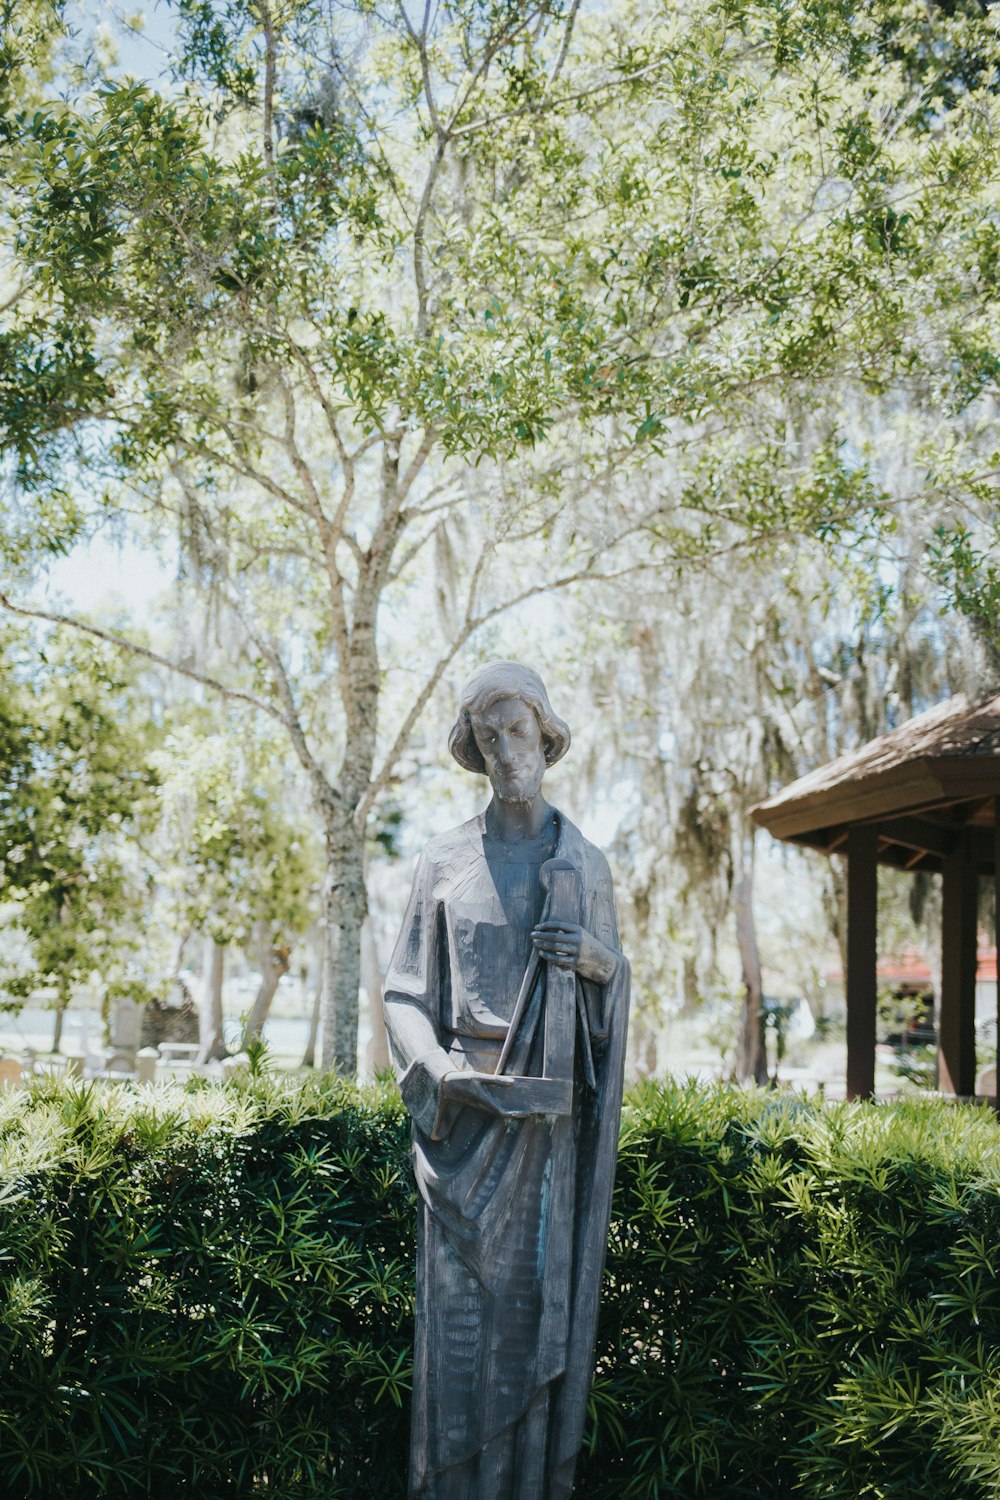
[489, 121]
[419, 41]
[419, 228]
[236, 695]
[417, 545]
[306, 364]
[563, 47]
[471, 624]
[415, 465]
[14, 297]
[326, 793]
[245, 471]
[329, 535]
[500, 39]
[347, 460]
[270, 58]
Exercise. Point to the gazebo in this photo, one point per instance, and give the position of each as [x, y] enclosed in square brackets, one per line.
[926, 796]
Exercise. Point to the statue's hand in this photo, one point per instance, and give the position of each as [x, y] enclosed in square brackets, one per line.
[573, 947]
[466, 1089]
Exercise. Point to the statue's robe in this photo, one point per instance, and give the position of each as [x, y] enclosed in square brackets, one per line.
[513, 1213]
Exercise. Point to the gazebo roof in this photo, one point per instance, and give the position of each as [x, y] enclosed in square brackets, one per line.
[921, 784]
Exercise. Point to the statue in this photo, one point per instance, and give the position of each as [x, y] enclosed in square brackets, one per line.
[506, 1004]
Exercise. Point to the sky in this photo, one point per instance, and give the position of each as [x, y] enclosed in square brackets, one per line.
[142, 53]
[99, 575]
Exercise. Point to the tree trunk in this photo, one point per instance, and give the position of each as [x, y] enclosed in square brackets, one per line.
[835, 906]
[372, 979]
[642, 1047]
[274, 962]
[309, 1055]
[62, 1004]
[751, 1061]
[213, 1042]
[345, 910]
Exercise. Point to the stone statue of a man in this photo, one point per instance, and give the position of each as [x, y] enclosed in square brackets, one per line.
[506, 1004]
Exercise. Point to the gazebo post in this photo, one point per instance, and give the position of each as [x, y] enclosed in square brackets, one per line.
[862, 984]
[917, 798]
[956, 1021]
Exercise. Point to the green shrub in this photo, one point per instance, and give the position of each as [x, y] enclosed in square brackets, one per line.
[204, 1292]
[802, 1300]
[209, 1291]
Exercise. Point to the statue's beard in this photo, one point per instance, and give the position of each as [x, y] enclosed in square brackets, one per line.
[520, 787]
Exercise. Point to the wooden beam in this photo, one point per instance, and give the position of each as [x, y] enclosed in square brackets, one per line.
[862, 919]
[943, 814]
[935, 847]
[966, 811]
[934, 831]
[956, 1020]
[916, 833]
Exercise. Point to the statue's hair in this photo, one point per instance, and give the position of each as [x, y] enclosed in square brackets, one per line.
[486, 686]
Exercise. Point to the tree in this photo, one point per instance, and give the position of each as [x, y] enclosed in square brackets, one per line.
[308, 314]
[77, 789]
[722, 687]
[242, 866]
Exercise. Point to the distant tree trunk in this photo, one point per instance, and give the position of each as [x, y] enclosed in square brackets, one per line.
[835, 904]
[642, 1047]
[751, 1060]
[345, 910]
[62, 1005]
[274, 962]
[316, 976]
[213, 1042]
[63, 993]
[309, 1055]
[182, 943]
[372, 981]
[346, 894]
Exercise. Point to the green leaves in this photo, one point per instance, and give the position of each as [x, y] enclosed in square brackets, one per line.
[76, 778]
[49, 380]
[842, 1292]
[972, 578]
[503, 228]
[212, 1289]
[236, 862]
[204, 1312]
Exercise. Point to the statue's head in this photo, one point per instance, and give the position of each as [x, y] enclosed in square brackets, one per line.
[506, 730]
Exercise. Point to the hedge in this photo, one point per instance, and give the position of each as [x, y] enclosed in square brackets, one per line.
[209, 1291]
[205, 1292]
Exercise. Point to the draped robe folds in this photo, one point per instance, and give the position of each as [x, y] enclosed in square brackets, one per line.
[513, 1213]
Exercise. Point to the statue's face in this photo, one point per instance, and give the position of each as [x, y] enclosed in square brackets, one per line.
[510, 742]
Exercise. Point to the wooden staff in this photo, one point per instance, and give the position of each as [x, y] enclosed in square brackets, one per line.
[552, 1094]
[565, 888]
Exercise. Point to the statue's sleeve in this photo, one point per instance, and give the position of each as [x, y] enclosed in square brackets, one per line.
[603, 923]
[412, 1001]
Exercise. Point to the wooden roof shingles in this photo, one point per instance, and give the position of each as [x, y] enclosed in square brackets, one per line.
[948, 755]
